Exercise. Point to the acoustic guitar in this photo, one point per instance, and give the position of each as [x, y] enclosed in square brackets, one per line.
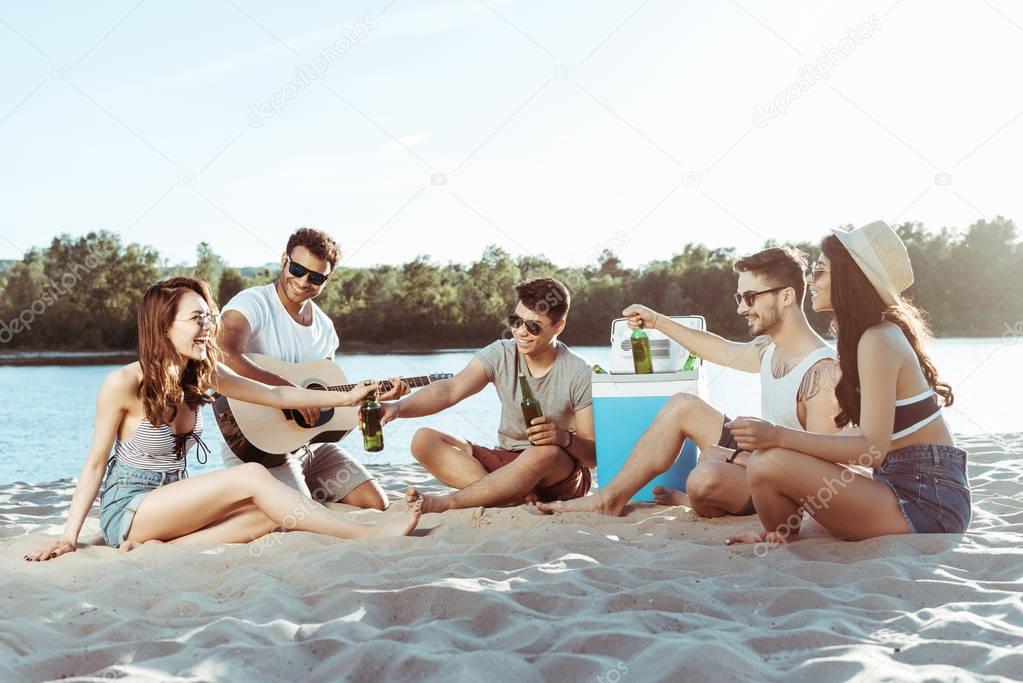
[266, 435]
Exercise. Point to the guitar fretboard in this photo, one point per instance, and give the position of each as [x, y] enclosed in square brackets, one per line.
[413, 382]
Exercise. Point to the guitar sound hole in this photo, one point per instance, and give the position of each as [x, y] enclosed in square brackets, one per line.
[326, 414]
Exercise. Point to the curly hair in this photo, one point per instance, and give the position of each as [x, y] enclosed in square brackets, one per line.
[164, 384]
[318, 242]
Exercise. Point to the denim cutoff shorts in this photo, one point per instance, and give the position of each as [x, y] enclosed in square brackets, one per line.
[931, 485]
[123, 490]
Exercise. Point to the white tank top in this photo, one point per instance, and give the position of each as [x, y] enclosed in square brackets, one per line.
[778, 396]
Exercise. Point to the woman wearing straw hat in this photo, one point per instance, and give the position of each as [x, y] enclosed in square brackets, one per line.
[889, 389]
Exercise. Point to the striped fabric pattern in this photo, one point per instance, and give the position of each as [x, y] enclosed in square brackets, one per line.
[156, 448]
[913, 414]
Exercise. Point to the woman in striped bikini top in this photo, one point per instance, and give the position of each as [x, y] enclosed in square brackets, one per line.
[158, 448]
[177, 368]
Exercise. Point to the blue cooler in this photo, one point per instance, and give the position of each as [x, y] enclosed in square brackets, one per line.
[625, 404]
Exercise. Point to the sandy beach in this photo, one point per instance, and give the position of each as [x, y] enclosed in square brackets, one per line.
[509, 595]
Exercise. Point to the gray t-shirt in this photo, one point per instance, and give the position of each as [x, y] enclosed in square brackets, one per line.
[563, 391]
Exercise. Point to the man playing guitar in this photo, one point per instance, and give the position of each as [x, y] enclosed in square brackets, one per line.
[281, 320]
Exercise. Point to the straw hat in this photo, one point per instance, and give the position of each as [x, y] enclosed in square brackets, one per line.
[881, 255]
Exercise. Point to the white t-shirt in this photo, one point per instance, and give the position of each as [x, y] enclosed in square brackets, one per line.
[276, 334]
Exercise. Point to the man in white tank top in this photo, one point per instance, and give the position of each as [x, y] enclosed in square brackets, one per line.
[798, 373]
[281, 320]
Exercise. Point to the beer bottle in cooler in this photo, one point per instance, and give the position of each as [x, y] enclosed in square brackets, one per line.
[690, 363]
[641, 358]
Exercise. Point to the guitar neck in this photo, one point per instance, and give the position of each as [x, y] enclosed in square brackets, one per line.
[413, 382]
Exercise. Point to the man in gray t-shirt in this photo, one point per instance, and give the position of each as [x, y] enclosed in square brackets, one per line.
[545, 461]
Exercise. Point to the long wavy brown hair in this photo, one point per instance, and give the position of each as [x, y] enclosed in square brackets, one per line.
[164, 383]
[857, 307]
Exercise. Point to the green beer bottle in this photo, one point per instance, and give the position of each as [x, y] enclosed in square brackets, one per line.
[641, 357]
[372, 432]
[690, 363]
[597, 370]
[530, 406]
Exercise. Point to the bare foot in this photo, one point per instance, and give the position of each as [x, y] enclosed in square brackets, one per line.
[665, 496]
[771, 538]
[128, 546]
[746, 537]
[402, 525]
[595, 503]
[427, 503]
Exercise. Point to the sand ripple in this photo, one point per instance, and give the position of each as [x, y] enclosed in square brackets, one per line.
[509, 595]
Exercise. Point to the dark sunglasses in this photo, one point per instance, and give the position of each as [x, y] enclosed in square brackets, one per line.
[298, 270]
[751, 297]
[533, 327]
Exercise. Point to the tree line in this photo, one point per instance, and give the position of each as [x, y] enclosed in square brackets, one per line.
[82, 293]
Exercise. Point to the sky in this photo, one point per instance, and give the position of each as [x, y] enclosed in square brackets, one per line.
[563, 128]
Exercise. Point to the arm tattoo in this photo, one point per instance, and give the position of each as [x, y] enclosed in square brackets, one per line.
[823, 376]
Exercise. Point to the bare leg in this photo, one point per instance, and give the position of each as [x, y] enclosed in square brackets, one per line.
[714, 489]
[246, 522]
[847, 504]
[186, 506]
[684, 415]
[447, 457]
[536, 466]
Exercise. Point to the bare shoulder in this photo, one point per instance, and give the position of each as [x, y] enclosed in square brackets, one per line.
[884, 338]
[122, 384]
[823, 376]
[884, 348]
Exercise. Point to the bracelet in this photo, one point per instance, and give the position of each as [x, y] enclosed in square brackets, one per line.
[735, 453]
[571, 439]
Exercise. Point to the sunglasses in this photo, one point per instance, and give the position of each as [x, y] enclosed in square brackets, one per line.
[298, 270]
[532, 326]
[817, 270]
[751, 297]
[203, 319]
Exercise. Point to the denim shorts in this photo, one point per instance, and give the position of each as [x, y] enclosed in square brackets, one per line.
[931, 485]
[121, 494]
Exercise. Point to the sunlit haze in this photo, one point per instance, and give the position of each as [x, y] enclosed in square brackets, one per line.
[565, 128]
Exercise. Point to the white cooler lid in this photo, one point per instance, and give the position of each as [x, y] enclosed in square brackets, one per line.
[657, 384]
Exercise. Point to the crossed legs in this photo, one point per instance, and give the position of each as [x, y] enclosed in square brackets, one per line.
[847, 504]
[450, 460]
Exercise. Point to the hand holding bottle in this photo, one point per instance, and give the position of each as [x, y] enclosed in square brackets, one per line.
[359, 393]
[544, 432]
[638, 316]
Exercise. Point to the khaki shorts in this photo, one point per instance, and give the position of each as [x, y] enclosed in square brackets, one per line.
[324, 472]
